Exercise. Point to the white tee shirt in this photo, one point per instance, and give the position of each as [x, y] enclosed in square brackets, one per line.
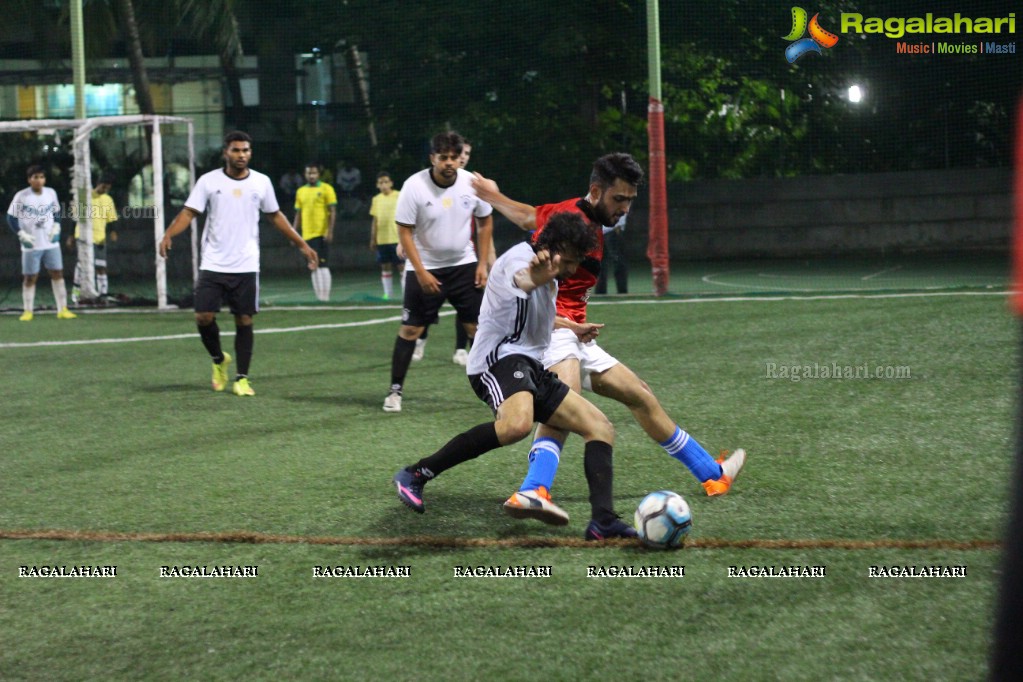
[511, 321]
[442, 218]
[230, 240]
[35, 214]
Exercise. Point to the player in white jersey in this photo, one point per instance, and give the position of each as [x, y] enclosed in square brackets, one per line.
[506, 372]
[34, 217]
[233, 197]
[434, 217]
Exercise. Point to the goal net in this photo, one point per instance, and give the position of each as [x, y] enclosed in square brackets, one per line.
[145, 135]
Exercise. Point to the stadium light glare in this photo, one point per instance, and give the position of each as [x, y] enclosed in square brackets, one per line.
[855, 94]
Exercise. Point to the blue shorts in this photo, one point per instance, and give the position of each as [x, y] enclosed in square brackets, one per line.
[388, 253]
[32, 261]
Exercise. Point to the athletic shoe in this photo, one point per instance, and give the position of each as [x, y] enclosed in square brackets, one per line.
[535, 504]
[410, 489]
[76, 295]
[417, 354]
[730, 469]
[242, 387]
[26, 316]
[616, 528]
[392, 403]
[461, 357]
[220, 373]
[65, 314]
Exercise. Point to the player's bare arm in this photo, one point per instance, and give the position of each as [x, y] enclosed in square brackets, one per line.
[585, 331]
[521, 214]
[284, 227]
[427, 281]
[331, 219]
[182, 221]
[485, 240]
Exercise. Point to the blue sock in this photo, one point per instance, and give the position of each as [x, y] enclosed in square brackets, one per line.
[544, 457]
[686, 450]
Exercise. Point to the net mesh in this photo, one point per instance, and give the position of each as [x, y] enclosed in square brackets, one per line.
[866, 148]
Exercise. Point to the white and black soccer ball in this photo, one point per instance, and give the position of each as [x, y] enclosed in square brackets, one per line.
[663, 520]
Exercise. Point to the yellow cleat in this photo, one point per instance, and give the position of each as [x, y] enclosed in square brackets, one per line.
[220, 373]
[65, 314]
[26, 316]
[242, 387]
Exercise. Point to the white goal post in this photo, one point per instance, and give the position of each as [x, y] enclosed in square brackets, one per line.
[81, 178]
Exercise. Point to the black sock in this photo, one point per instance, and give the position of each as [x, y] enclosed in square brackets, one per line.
[461, 336]
[400, 360]
[600, 478]
[210, 335]
[244, 340]
[461, 448]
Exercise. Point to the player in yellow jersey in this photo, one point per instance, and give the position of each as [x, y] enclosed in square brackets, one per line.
[103, 213]
[383, 236]
[315, 214]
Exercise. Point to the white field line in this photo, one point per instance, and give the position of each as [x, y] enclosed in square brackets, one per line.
[393, 318]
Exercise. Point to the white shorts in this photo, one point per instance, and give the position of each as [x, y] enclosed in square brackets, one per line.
[592, 358]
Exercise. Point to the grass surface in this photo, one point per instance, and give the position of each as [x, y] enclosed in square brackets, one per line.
[124, 436]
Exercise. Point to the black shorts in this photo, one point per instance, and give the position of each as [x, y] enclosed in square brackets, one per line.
[322, 249]
[388, 253]
[457, 286]
[239, 289]
[515, 373]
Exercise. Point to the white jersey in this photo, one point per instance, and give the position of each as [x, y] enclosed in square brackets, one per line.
[442, 218]
[230, 240]
[35, 214]
[511, 321]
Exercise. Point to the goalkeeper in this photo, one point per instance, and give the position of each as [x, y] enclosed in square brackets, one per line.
[34, 217]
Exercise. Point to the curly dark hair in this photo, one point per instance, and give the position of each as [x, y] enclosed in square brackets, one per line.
[567, 233]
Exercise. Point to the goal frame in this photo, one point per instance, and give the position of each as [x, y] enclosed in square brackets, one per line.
[81, 178]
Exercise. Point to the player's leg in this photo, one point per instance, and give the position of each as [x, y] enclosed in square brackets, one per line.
[30, 265]
[623, 385]
[514, 420]
[100, 261]
[208, 295]
[420, 308]
[243, 298]
[561, 358]
[54, 264]
[461, 355]
[321, 275]
[466, 298]
[578, 415]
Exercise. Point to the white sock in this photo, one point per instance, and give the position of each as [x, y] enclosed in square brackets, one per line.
[59, 293]
[28, 297]
[102, 281]
[321, 284]
[78, 275]
[387, 279]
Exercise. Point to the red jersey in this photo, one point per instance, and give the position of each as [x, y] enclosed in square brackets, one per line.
[574, 292]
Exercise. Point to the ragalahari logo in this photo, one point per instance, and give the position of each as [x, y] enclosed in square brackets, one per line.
[818, 36]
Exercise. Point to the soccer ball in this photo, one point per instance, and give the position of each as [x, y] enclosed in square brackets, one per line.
[663, 520]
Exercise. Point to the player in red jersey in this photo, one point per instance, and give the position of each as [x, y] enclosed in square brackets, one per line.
[574, 354]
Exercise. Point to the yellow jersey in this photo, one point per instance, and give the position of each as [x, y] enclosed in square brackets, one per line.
[314, 201]
[383, 208]
[103, 213]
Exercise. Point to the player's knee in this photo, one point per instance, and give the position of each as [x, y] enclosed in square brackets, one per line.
[205, 319]
[513, 428]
